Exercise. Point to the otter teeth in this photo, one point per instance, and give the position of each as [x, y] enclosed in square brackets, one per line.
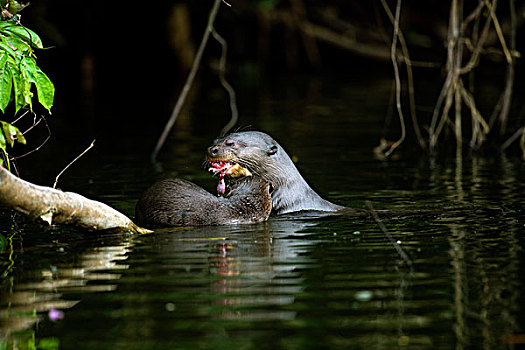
[220, 168]
[228, 168]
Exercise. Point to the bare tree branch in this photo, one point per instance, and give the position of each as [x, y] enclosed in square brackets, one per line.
[188, 83]
[74, 160]
[225, 84]
[393, 57]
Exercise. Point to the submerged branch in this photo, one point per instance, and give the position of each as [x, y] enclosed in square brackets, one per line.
[394, 243]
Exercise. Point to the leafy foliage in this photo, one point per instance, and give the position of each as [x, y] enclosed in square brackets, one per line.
[18, 68]
[18, 74]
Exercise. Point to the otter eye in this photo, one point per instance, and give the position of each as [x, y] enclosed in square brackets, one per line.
[272, 149]
[230, 143]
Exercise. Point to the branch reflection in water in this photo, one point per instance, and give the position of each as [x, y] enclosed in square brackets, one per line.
[484, 249]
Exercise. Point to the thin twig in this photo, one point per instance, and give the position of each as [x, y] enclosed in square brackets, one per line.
[496, 110]
[74, 160]
[481, 42]
[17, 119]
[457, 121]
[43, 142]
[383, 228]
[506, 51]
[188, 83]
[225, 84]
[458, 59]
[522, 145]
[507, 93]
[469, 101]
[452, 90]
[447, 91]
[410, 77]
[506, 97]
[473, 15]
[442, 95]
[393, 49]
[513, 138]
[444, 117]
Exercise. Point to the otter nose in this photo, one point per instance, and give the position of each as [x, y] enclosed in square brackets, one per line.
[213, 150]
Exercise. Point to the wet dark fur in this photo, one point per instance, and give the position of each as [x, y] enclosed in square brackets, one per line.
[176, 202]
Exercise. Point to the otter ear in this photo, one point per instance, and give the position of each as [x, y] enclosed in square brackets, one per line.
[272, 149]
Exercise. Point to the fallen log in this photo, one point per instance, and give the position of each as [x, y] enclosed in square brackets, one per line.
[58, 207]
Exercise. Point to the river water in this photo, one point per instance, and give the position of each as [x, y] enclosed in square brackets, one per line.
[296, 282]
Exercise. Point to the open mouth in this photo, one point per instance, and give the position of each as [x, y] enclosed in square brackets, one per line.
[223, 169]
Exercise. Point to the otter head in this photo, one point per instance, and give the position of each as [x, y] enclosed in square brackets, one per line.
[243, 154]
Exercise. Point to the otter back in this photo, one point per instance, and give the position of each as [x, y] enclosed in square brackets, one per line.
[176, 202]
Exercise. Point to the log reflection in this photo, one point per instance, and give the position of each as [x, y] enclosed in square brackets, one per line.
[41, 297]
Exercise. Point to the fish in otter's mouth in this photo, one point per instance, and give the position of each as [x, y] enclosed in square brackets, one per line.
[222, 169]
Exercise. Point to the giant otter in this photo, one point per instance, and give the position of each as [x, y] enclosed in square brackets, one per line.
[263, 157]
[180, 202]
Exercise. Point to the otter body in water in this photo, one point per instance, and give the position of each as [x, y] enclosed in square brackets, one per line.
[263, 157]
[180, 202]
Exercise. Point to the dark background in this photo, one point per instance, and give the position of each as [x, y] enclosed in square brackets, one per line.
[118, 68]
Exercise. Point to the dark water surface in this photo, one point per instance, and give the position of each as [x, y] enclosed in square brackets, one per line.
[295, 282]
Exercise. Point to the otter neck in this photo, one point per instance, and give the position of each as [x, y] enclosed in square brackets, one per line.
[291, 192]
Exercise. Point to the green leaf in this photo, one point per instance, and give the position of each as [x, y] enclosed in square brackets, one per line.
[19, 87]
[6, 82]
[5, 47]
[3, 145]
[12, 134]
[21, 47]
[44, 86]
[45, 90]
[14, 7]
[27, 70]
[18, 69]
[20, 137]
[3, 58]
[22, 32]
